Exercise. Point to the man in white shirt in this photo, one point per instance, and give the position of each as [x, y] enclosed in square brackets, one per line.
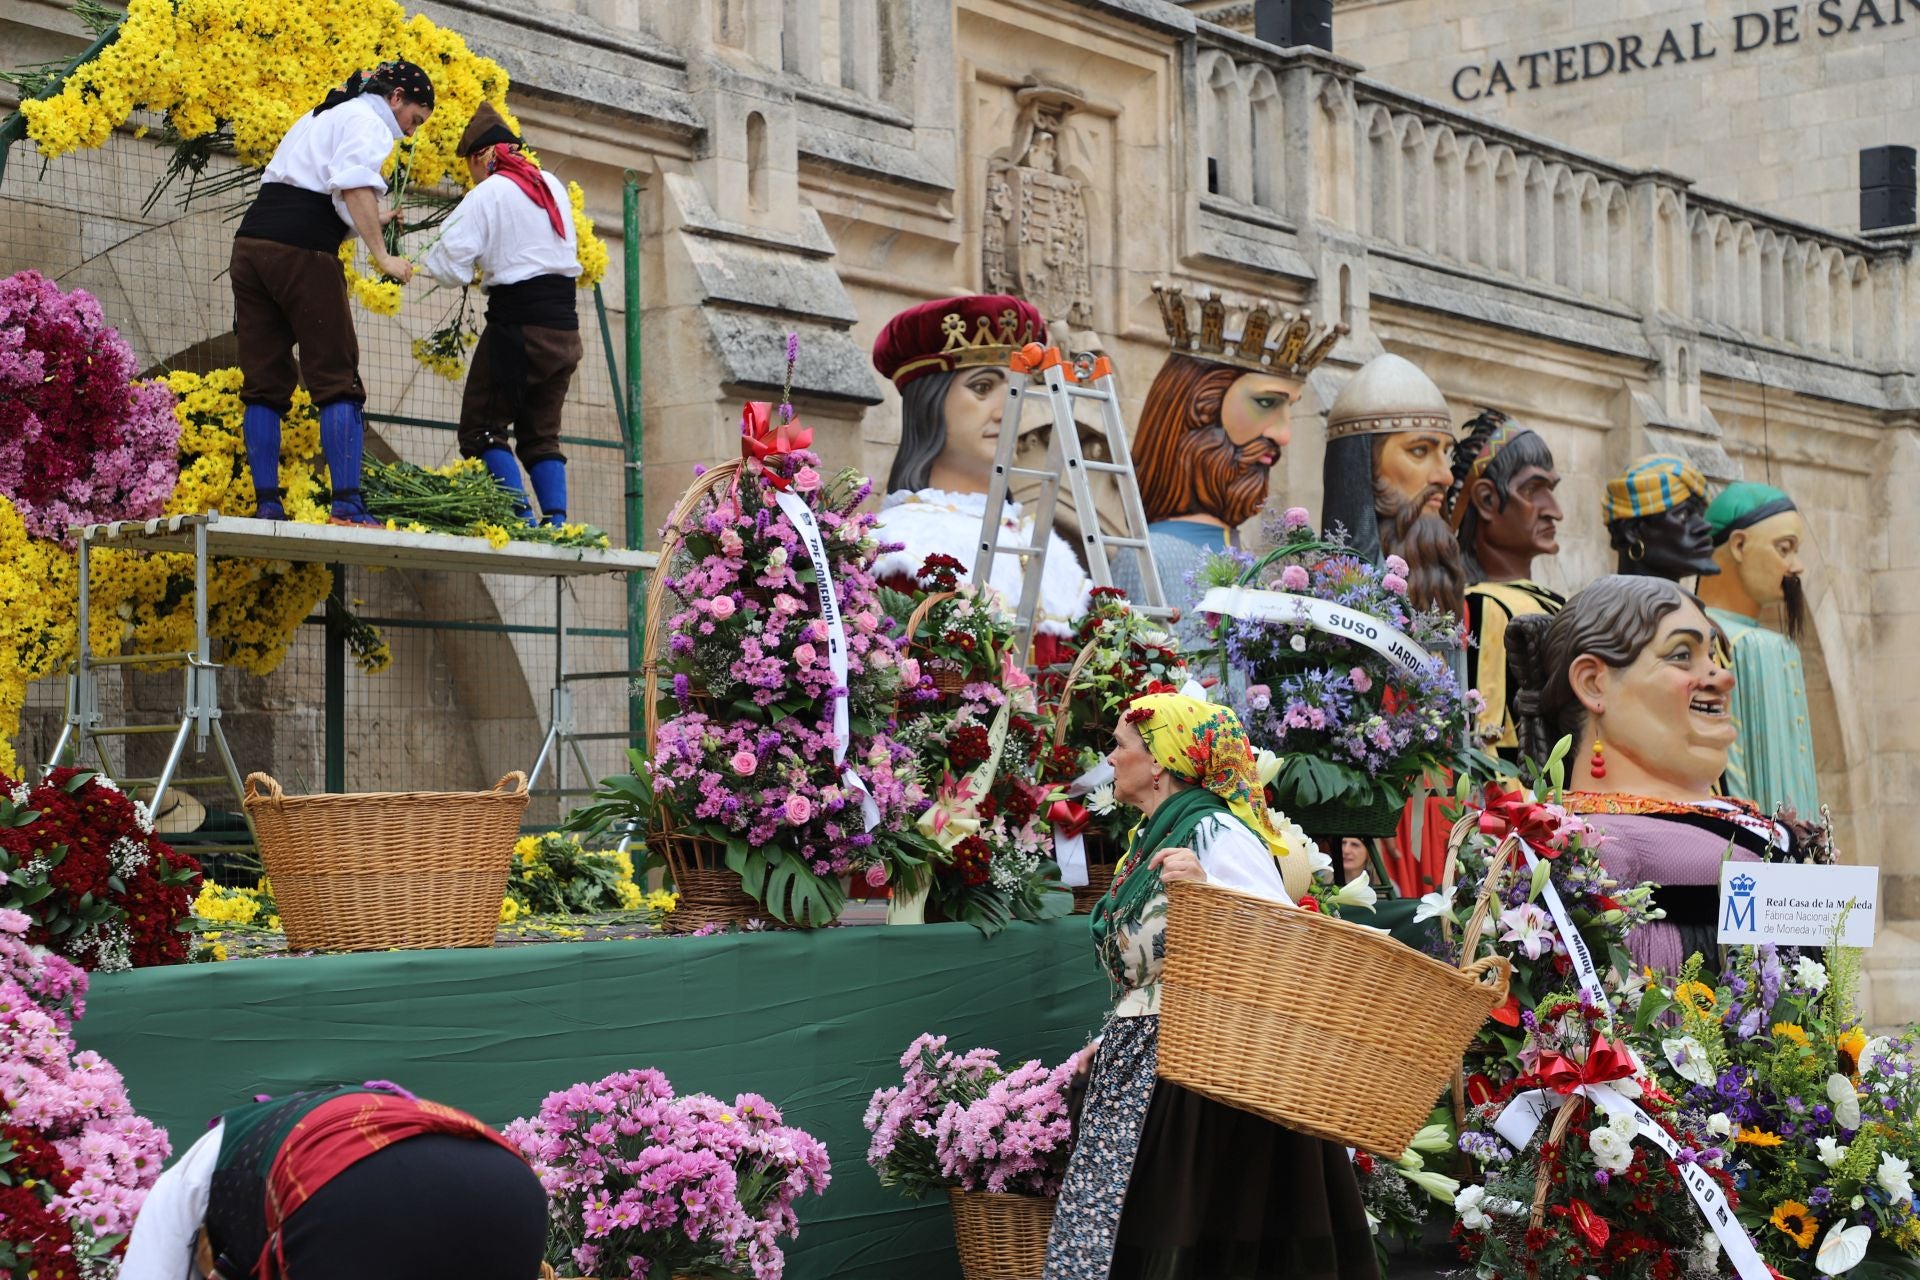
[515, 229]
[323, 183]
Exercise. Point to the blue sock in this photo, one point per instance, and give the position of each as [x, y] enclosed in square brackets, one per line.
[342, 438]
[260, 428]
[501, 462]
[549, 476]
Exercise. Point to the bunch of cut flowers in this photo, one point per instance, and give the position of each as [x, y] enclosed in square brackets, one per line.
[1820, 1120]
[1588, 1193]
[75, 1160]
[962, 1120]
[1519, 924]
[1355, 728]
[643, 1183]
[745, 752]
[964, 632]
[81, 860]
[984, 833]
[460, 498]
[1121, 652]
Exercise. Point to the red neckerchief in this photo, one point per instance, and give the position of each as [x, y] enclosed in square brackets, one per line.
[524, 174]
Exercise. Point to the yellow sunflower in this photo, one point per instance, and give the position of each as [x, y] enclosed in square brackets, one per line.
[1795, 1221]
[1758, 1137]
[1697, 996]
[1791, 1031]
[1851, 1044]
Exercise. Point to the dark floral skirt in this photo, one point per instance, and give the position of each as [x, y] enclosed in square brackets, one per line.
[1167, 1185]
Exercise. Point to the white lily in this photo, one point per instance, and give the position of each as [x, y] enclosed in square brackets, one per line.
[1432, 1139]
[1843, 1248]
[1266, 767]
[1434, 906]
[1357, 894]
[1318, 863]
[1437, 1185]
[1846, 1103]
[1719, 1126]
[1831, 1152]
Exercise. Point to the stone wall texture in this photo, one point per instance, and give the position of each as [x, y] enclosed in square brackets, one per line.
[816, 165]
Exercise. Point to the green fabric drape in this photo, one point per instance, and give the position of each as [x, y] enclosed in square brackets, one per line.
[815, 1021]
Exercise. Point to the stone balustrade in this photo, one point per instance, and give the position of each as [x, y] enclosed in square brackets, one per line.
[1411, 178]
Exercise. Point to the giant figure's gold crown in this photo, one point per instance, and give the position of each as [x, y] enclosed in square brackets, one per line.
[1297, 347]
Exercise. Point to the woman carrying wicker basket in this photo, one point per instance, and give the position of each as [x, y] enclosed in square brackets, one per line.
[1164, 1183]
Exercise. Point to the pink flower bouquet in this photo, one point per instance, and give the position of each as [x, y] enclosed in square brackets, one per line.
[75, 1161]
[959, 1120]
[645, 1184]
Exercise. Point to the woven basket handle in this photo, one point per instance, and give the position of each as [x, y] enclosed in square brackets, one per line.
[1501, 970]
[1562, 1121]
[261, 784]
[1506, 856]
[920, 611]
[513, 784]
[656, 606]
[1060, 715]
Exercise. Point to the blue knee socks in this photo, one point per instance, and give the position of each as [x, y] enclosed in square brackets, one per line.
[260, 428]
[549, 476]
[500, 461]
[342, 438]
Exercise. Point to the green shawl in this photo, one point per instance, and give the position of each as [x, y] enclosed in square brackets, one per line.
[1136, 884]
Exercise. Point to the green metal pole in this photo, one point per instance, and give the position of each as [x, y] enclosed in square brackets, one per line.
[336, 683]
[636, 452]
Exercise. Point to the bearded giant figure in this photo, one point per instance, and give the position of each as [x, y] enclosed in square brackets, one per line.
[1212, 427]
[1758, 534]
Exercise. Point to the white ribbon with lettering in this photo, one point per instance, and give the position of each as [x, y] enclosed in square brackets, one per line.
[1522, 1117]
[1253, 605]
[801, 515]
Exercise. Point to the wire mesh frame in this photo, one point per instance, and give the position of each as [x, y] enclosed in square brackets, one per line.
[467, 694]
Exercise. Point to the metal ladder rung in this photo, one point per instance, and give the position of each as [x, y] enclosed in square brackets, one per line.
[1136, 544]
[1031, 474]
[1106, 468]
[612, 735]
[122, 730]
[604, 675]
[1086, 393]
[1015, 549]
[136, 659]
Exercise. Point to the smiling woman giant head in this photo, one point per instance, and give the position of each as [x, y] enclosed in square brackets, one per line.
[1631, 670]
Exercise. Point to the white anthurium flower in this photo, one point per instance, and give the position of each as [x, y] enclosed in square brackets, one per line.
[1843, 1248]
[1434, 906]
[1894, 1178]
[1846, 1103]
[1357, 894]
[1466, 1207]
[1437, 1185]
[1810, 973]
[1831, 1152]
[1719, 1126]
[1690, 1062]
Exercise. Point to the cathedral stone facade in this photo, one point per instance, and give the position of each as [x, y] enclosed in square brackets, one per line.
[816, 165]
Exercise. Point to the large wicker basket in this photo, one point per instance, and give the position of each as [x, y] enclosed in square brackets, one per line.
[1326, 1027]
[384, 870]
[1000, 1236]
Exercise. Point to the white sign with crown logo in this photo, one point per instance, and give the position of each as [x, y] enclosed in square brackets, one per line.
[1789, 904]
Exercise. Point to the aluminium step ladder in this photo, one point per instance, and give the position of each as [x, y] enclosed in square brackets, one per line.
[1043, 372]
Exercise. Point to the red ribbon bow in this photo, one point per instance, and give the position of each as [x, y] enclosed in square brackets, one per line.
[1511, 813]
[1068, 818]
[761, 440]
[1605, 1062]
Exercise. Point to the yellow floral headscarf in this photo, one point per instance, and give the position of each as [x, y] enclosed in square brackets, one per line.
[1204, 744]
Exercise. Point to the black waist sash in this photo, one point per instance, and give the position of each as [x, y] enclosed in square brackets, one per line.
[293, 215]
[546, 301]
[1688, 904]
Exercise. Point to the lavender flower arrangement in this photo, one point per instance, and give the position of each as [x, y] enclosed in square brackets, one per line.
[1356, 729]
[960, 1120]
[645, 1184]
[85, 441]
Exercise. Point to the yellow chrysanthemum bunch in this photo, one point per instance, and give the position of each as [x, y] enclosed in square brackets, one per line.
[373, 291]
[218, 904]
[39, 604]
[254, 66]
[589, 248]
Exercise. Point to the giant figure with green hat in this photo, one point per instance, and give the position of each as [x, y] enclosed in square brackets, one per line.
[1758, 535]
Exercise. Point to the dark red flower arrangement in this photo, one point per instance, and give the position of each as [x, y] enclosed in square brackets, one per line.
[83, 863]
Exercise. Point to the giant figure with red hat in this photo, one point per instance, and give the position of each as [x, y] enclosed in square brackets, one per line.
[949, 359]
